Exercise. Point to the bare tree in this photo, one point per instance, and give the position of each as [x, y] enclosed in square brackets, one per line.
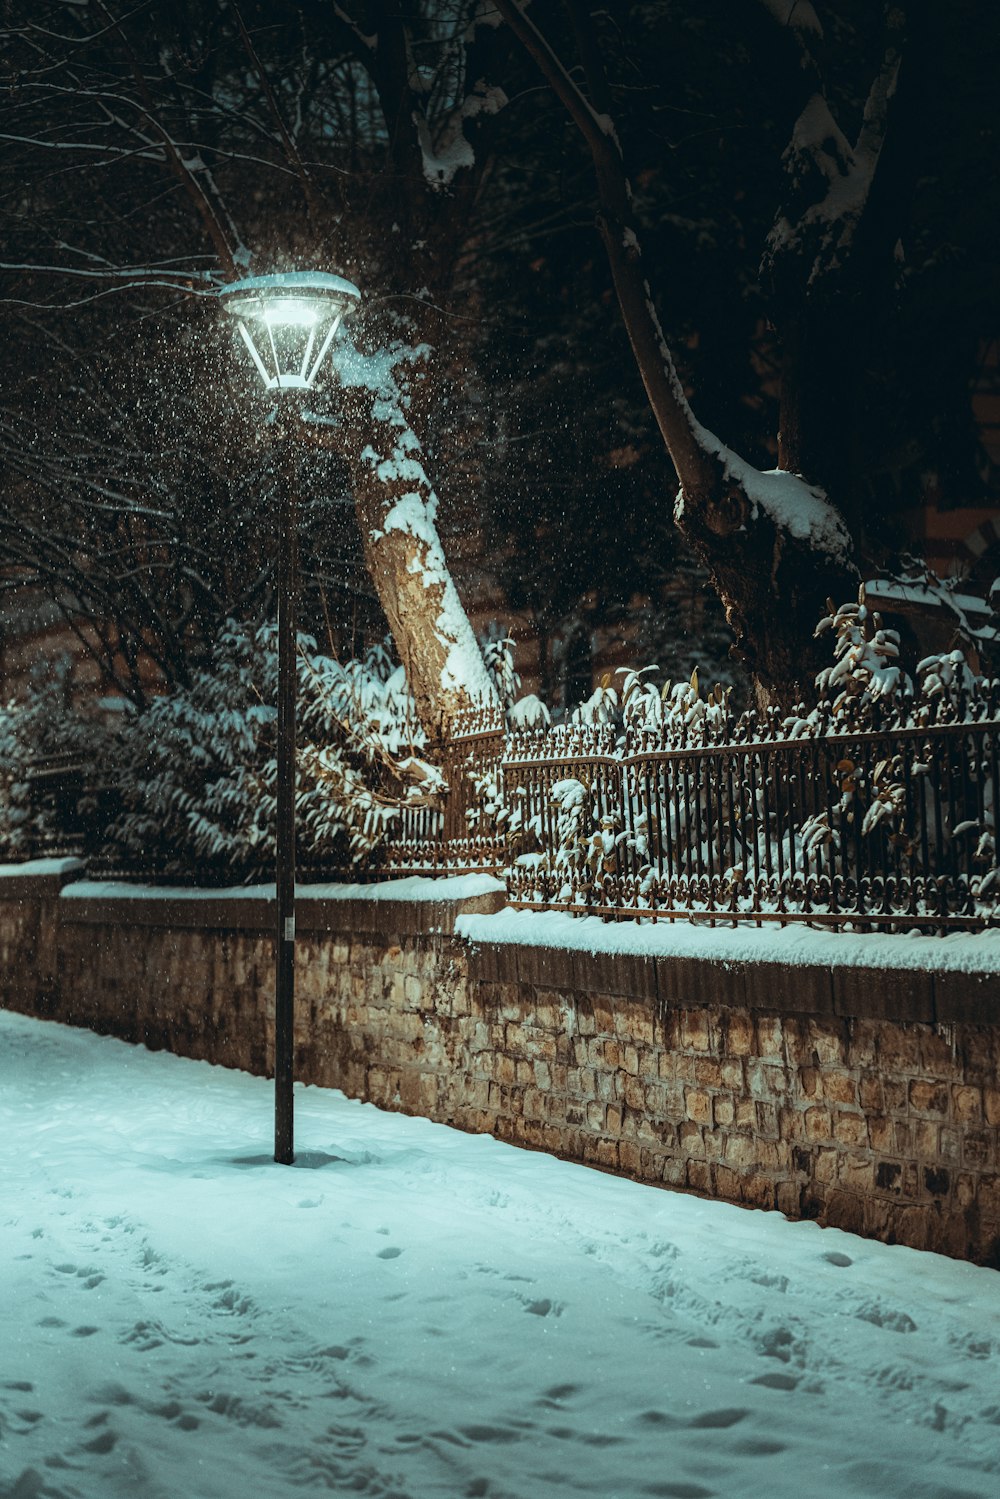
[342, 135]
[776, 544]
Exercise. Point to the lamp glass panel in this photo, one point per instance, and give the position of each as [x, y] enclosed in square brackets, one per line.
[288, 323]
[291, 312]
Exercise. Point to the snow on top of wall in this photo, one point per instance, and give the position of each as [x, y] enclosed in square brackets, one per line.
[126, 890]
[795, 944]
[415, 887]
[40, 867]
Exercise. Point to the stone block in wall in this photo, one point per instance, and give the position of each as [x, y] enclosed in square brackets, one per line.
[691, 983]
[969, 998]
[799, 989]
[771, 1035]
[904, 995]
[493, 963]
[634, 1020]
[929, 1097]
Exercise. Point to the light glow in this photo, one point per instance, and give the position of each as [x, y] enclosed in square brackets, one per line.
[291, 312]
[288, 322]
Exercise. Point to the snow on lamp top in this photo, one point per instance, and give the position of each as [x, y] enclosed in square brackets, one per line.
[288, 322]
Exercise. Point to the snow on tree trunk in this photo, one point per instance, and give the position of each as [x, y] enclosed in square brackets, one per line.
[396, 507]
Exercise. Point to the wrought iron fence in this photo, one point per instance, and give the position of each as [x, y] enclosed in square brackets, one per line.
[441, 834]
[450, 834]
[888, 826]
[886, 821]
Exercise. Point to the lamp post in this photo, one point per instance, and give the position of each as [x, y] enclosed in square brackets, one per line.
[288, 322]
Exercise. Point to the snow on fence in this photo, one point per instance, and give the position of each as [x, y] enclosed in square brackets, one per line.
[451, 836]
[883, 819]
[878, 812]
[766, 818]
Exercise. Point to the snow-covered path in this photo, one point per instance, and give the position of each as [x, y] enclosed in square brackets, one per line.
[416, 1312]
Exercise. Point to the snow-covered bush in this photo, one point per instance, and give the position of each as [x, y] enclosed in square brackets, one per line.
[600, 708]
[198, 769]
[866, 668]
[529, 712]
[947, 677]
[624, 803]
[44, 725]
[498, 658]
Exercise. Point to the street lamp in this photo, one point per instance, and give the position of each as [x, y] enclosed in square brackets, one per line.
[288, 322]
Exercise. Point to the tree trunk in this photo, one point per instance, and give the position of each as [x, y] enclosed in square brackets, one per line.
[396, 508]
[774, 547]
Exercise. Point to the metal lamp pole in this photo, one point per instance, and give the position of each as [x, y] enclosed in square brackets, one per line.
[288, 321]
[284, 973]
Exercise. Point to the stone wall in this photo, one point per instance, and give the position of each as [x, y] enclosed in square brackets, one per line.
[885, 1128]
[867, 1099]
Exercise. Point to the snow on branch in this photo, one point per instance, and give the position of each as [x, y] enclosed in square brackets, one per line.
[830, 180]
[795, 507]
[798, 15]
[446, 150]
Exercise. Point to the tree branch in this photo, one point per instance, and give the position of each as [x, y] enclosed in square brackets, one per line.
[313, 201]
[681, 432]
[181, 170]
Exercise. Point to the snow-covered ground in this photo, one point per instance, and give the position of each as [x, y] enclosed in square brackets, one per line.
[411, 1311]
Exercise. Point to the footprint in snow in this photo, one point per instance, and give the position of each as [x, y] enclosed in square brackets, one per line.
[661, 1419]
[972, 1345]
[885, 1316]
[543, 1307]
[779, 1343]
[836, 1258]
[240, 1411]
[679, 1490]
[89, 1274]
[232, 1302]
[561, 1391]
[719, 1420]
[776, 1381]
[757, 1447]
[490, 1433]
[101, 1445]
[389, 1253]
[30, 1417]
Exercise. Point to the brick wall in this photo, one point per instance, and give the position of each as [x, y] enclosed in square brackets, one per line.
[869, 1100]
